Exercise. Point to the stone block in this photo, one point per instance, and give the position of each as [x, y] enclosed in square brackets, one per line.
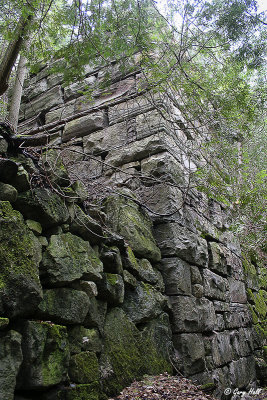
[218, 261]
[111, 289]
[198, 290]
[21, 181]
[140, 149]
[67, 258]
[83, 339]
[10, 361]
[20, 254]
[8, 193]
[131, 108]
[190, 314]
[84, 368]
[144, 303]
[176, 275]
[96, 314]
[190, 348]
[215, 287]
[59, 114]
[237, 291]
[35, 90]
[141, 269]
[45, 355]
[242, 372]
[127, 220]
[3, 145]
[64, 305]
[152, 122]
[238, 316]
[44, 206]
[222, 352]
[196, 277]
[175, 240]
[76, 89]
[45, 101]
[82, 126]
[242, 342]
[112, 137]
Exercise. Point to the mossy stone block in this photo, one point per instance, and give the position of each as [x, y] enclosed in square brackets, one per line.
[80, 392]
[44, 206]
[3, 323]
[8, 193]
[34, 226]
[83, 339]
[84, 367]
[45, 355]
[111, 289]
[20, 254]
[64, 306]
[126, 218]
[68, 258]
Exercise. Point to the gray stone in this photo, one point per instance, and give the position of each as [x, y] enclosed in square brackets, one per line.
[21, 181]
[43, 206]
[96, 314]
[140, 149]
[215, 287]
[144, 303]
[111, 289]
[83, 339]
[45, 355]
[67, 258]
[237, 291]
[84, 125]
[45, 101]
[242, 372]
[20, 254]
[107, 139]
[76, 89]
[64, 306]
[190, 314]
[8, 170]
[218, 261]
[130, 109]
[34, 226]
[238, 316]
[197, 290]
[129, 280]
[37, 89]
[61, 113]
[220, 325]
[190, 350]
[10, 361]
[8, 193]
[85, 226]
[242, 342]
[152, 122]
[127, 220]
[176, 275]
[51, 162]
[175, 240]
[222, 348]
[196, 277]
[88, 287]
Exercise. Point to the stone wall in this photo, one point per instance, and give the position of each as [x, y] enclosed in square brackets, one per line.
[132, 245]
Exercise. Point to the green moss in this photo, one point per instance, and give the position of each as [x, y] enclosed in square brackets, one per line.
[112, 278]
[84, 368]
[18, 245]
[81, 392]
[207, 386]
[3, 323]
[260, 303]
[255, 318]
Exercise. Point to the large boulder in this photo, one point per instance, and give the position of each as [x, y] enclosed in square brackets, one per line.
[84, 367]
[8, 193]
[20, 254]
[190, 351]
[10, 361]
[45, 355]
[126, 219]
[43, 206]
[67, 258]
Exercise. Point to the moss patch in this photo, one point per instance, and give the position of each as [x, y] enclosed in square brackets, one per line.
[84, 367]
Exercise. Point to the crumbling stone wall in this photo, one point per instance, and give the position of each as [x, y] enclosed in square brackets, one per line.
[170, 255]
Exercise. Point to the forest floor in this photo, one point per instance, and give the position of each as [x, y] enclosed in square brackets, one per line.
[166, 387]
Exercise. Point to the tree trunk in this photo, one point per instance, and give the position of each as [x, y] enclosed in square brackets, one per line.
[13, 115]
[12, 52]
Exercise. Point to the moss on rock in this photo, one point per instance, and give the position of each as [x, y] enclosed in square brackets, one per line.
[84, 368]
[20, 254]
